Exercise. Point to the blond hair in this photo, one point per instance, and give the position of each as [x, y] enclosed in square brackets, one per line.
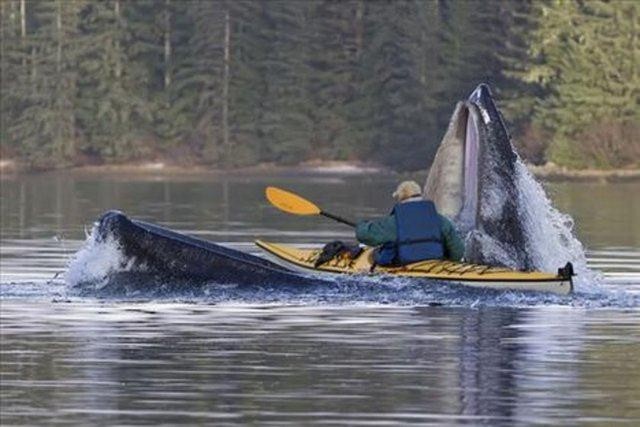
[406, 190]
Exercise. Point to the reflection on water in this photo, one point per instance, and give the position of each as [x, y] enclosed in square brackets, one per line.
[234, 207]
[42, 205]
[70, 360]
[605, 214]
[176, 363]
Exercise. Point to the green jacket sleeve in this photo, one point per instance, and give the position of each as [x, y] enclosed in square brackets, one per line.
[453, 244]
[377, 231]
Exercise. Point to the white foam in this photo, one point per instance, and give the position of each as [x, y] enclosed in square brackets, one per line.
[96, 261]
[550, 239]
[493, 205]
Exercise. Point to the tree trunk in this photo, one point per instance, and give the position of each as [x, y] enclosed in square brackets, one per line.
[634, 47]
[58, 142]
[12, 18]
[359, 27]
[23, 31]
[59, 35]
[225, 82]
[34, 69]
[3, 68]
[23, 19]
[3, 36]
[167, 44]
[117, 39]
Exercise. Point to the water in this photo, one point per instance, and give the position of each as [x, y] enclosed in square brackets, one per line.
[359, 356]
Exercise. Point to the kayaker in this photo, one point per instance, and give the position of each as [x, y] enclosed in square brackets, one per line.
[414, 231]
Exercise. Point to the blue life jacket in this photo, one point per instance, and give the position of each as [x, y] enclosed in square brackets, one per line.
[418, 235]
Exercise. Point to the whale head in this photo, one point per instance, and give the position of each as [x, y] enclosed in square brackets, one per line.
[473, 181]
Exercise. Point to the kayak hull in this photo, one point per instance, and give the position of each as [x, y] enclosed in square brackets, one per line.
[477, 276]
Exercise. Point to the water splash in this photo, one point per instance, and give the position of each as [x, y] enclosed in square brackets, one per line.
[97, 261]
[340, 290]
[550, 238]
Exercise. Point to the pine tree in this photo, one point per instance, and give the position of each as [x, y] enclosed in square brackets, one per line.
[248, 48]
[430, 61]
[586, 60]
[394, 96]
[10, 71]
[238, 82]
[45, 126]
[114, 101]
[286, 123]
[335, 42]
[197, 86]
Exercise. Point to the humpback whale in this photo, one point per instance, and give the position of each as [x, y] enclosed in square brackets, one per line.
[477, 180]
[147, 254]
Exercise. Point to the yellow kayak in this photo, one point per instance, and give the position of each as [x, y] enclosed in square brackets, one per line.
[479, 276]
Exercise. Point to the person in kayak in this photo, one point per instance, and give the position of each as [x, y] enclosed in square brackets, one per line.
[414, 231]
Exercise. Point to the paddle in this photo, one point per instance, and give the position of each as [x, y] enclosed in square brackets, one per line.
[292, 203]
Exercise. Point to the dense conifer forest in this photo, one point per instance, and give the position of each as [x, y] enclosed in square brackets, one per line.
[236, 83]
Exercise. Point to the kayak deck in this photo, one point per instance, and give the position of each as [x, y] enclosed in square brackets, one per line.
[440, 270]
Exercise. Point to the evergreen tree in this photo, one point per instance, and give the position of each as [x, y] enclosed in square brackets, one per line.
[431, 73]
[585, 57]
[113, 99]
[249, 47]
[163, 29]
[45, 125]
[244, 81]
[335, 42]
[198, 81]
[10, 70]
[393, 95]
[286, 124]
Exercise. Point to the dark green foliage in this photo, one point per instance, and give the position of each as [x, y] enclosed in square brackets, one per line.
[40, 98]
[113, 104]
[12, 85]
[391, 85]
[196, 91]
[234, 83]
[585, 60]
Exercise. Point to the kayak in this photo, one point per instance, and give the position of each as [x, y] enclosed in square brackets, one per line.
[474, 275]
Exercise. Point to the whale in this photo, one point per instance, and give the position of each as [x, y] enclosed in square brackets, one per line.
[147, 259]
[474, 181]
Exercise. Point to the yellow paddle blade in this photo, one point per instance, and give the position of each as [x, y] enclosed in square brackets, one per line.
[290, 202]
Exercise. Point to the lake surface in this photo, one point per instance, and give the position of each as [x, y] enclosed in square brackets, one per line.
[357, 359]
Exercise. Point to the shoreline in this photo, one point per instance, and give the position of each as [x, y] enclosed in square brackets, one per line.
[10, 167]
[548, 173]
[554, 173]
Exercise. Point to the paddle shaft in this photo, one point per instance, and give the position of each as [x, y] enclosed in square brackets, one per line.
[337, 218]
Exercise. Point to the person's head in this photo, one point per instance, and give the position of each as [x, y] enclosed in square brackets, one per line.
[407, 190]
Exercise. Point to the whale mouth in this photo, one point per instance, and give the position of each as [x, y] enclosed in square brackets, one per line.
[454, 182]
[466, 218]
[455, 179]
[474, 115]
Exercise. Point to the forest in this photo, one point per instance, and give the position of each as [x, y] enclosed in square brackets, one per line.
[238, 83]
